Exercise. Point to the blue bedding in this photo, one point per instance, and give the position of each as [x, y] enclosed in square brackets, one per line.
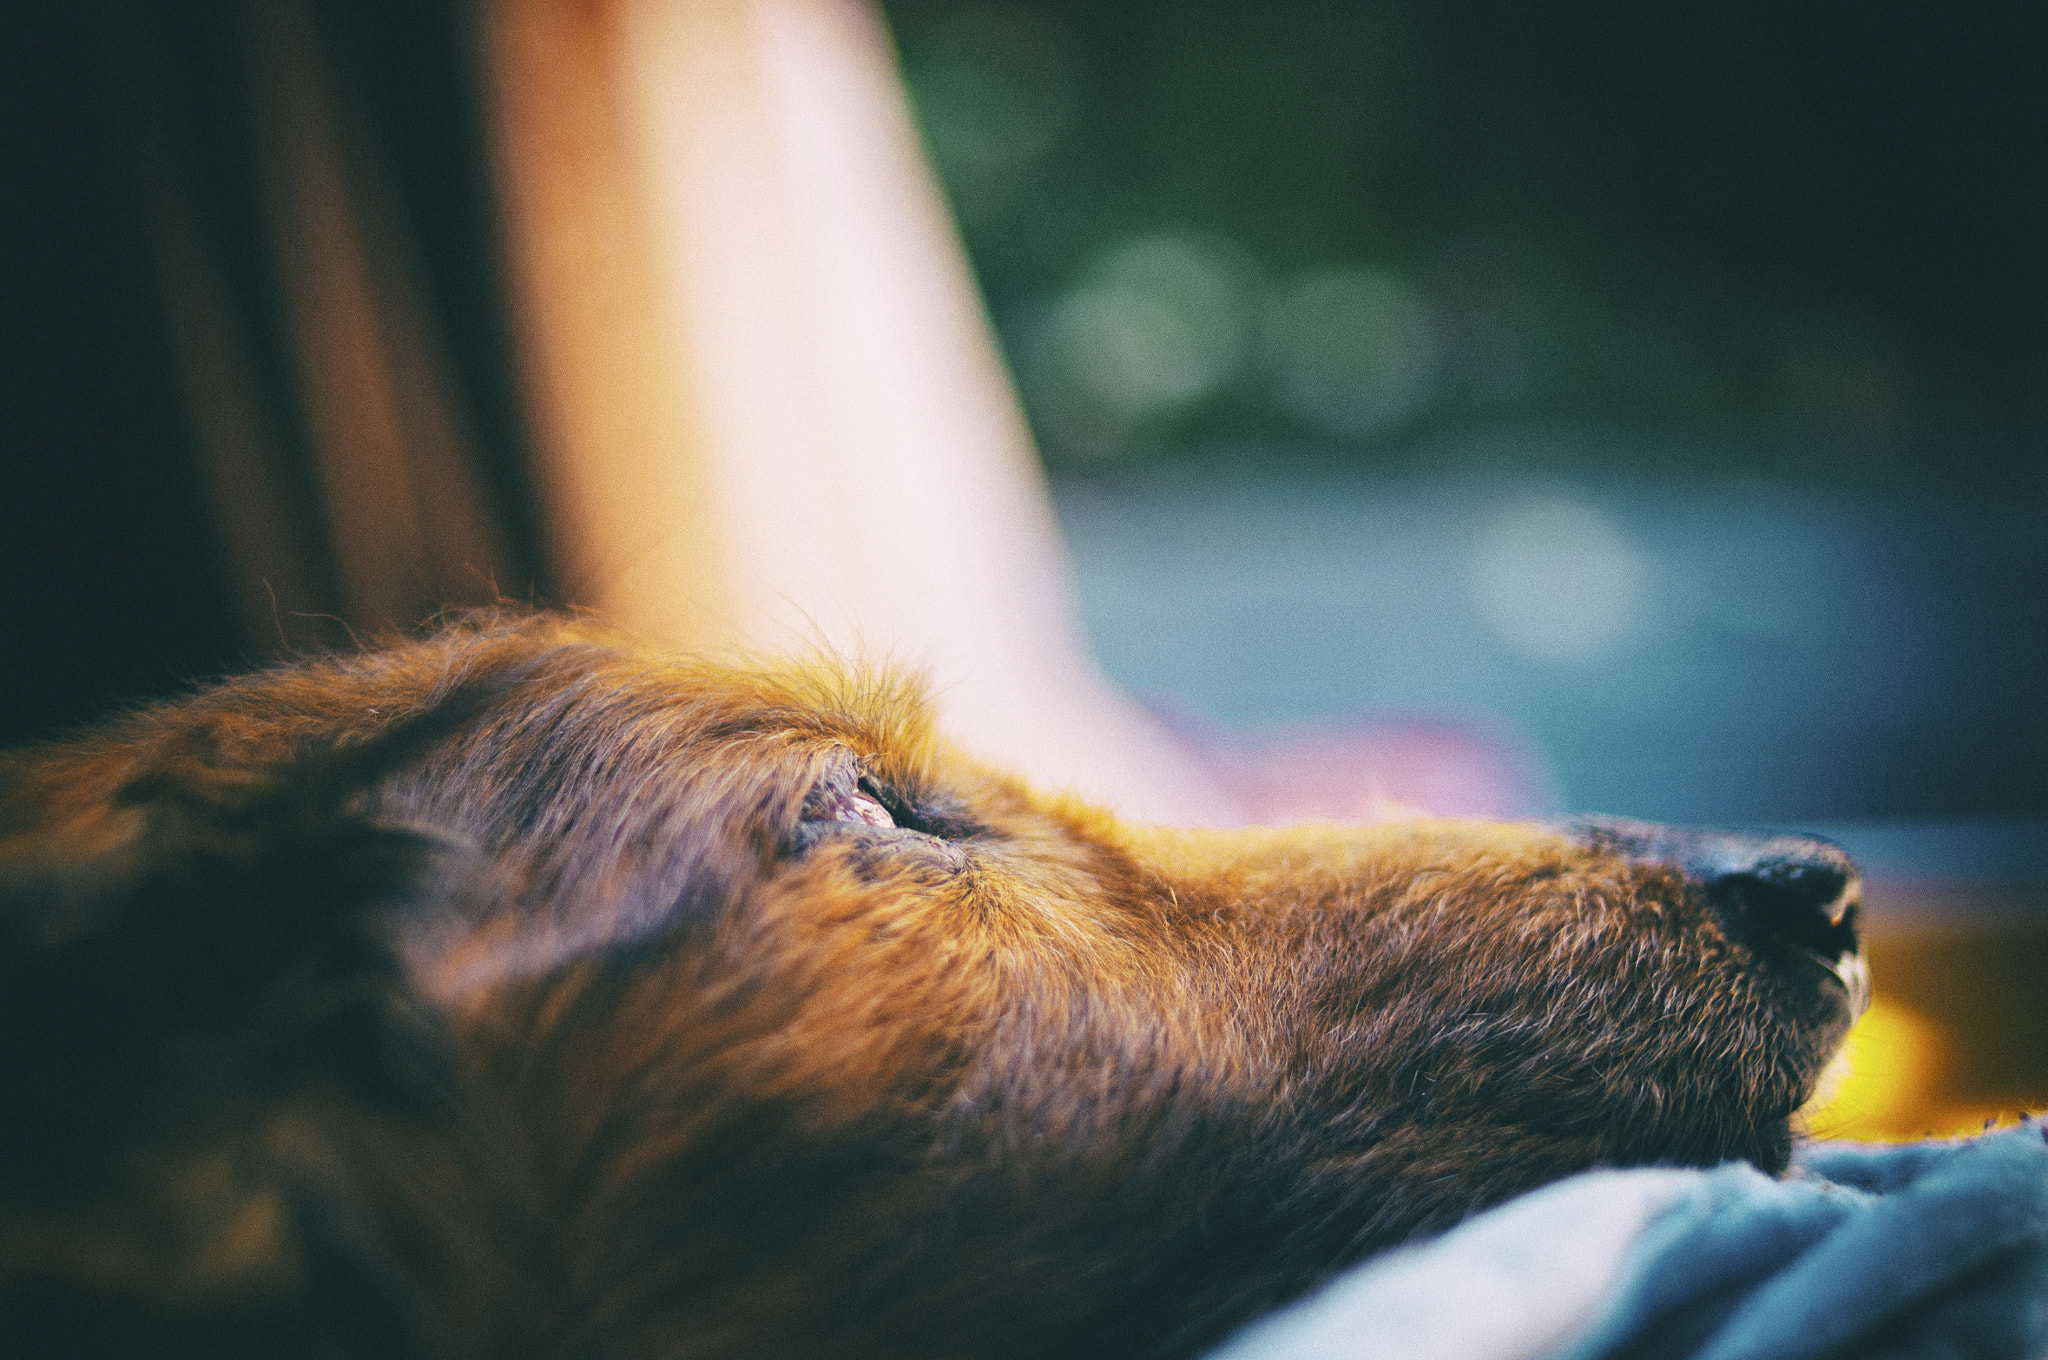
[1921, 1251]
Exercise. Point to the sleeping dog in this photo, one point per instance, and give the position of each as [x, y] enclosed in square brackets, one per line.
[510, 994]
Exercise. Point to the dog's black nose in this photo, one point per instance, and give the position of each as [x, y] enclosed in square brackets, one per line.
[1800, 890]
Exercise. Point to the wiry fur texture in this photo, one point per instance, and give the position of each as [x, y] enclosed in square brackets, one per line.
[510, 994]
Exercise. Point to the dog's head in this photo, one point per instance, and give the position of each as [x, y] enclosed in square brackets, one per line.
[506, 993]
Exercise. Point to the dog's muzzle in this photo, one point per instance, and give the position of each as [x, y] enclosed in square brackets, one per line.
[1800, 894]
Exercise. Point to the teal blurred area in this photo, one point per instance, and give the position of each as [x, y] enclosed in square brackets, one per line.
[1688, 649]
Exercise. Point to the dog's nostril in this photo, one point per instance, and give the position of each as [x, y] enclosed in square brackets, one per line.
[1810, 901]
[1798, 887]
[1787, 889]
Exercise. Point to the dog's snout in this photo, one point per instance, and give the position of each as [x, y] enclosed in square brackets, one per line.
[1797, 890]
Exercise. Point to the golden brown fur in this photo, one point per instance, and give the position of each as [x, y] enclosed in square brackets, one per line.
[510, 994]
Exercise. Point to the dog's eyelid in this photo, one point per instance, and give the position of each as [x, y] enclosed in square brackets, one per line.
[865, 807]
[902, 810]
[921, 810]
[844, 794]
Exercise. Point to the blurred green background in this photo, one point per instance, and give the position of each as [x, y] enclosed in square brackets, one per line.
[1807, 238]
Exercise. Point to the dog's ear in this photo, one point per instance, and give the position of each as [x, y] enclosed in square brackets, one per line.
[229, 1127]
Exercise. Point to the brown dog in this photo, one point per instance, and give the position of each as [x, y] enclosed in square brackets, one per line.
[507, 994]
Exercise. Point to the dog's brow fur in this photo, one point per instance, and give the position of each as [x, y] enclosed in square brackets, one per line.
[496, 994]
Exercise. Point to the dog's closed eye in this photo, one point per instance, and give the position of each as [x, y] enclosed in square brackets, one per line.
[829, 804]
[847, 804]
[844, 798]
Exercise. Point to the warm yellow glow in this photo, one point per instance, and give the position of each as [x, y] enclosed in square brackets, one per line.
[1883, 1082]
[1889, 1084]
